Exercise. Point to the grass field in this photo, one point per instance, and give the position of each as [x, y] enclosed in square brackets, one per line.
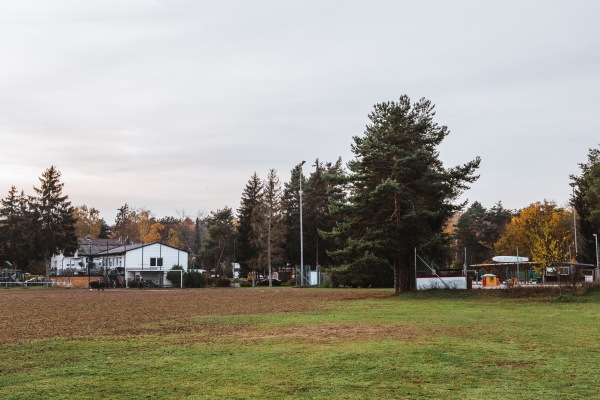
[272, 343]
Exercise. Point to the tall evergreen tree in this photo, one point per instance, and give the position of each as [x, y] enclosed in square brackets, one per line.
[587, 206]
[323, 188]
[218, 246]
[14, 227]
[197, 237]
[401, 195]
[246, 246]
[269, 225]
[105, 230]
[478, 229]
[291, 201]
[55, 225]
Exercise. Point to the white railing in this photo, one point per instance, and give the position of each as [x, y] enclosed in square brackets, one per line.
[26, 284]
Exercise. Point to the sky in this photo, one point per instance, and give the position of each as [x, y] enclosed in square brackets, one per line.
[172, 105]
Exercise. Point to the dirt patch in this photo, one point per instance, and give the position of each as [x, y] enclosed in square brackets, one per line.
[30, 314]
[332, 332]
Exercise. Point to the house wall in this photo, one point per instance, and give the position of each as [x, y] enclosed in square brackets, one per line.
[169, 255]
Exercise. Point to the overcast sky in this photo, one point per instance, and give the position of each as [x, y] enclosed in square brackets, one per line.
[172, 105]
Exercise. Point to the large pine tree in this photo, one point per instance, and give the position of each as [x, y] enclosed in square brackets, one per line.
[54, 226]
[401, 194]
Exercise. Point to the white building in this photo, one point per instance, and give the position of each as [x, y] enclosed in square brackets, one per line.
[150, 261]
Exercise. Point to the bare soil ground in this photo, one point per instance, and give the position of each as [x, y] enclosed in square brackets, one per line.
[30, 314]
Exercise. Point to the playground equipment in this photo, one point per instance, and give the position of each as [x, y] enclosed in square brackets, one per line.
[489, 280]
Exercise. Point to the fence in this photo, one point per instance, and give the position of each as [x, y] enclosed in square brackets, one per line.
[429, 277]
[26, 284]
[310, 277]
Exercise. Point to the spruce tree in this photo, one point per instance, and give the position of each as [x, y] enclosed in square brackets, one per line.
[54, 225]
[324, 187]
[269, 225]
[291, 200]
[246, 247]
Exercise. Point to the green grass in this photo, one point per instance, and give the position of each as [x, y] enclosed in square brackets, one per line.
[434, 345]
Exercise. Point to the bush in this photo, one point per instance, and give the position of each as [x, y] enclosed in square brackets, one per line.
[223, 282]
[194, 280]
[174, 275]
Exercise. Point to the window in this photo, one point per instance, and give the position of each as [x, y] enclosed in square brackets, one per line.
[156, 262]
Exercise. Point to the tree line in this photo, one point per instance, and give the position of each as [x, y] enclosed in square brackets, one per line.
[361, 222]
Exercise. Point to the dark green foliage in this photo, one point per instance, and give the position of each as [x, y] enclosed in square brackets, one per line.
[223, 282]
[323, 188]
[478, 229]
[400, 195]
[105, 230]
[291, 201]
[197, 237]
[366, 275]
[15, 223]
[174, 275]
[194, 279]
[217, 252]
[247, 250]
[268, 225]
[587, 205]
[53, 215]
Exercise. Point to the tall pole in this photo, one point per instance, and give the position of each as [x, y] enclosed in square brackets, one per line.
[125, 263]
[301, 233]
[574, 222]
[465, 263]
[91, 260]
[517, 264]
[597, 264]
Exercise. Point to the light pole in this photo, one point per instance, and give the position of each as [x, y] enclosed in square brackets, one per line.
[597, 264]
[90, 261]
[301, 233]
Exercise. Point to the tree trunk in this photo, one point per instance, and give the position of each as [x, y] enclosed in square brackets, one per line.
[404, 276]
[397, 278]
[48, 265]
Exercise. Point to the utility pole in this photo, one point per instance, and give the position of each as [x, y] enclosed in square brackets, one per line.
[575, 222]
[597, 264]
[301, 233]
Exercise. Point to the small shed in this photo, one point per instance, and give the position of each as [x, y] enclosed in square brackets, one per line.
[489, 280]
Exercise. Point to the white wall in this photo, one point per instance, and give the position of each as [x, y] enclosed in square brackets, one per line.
[169, 255]
[451, 282]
